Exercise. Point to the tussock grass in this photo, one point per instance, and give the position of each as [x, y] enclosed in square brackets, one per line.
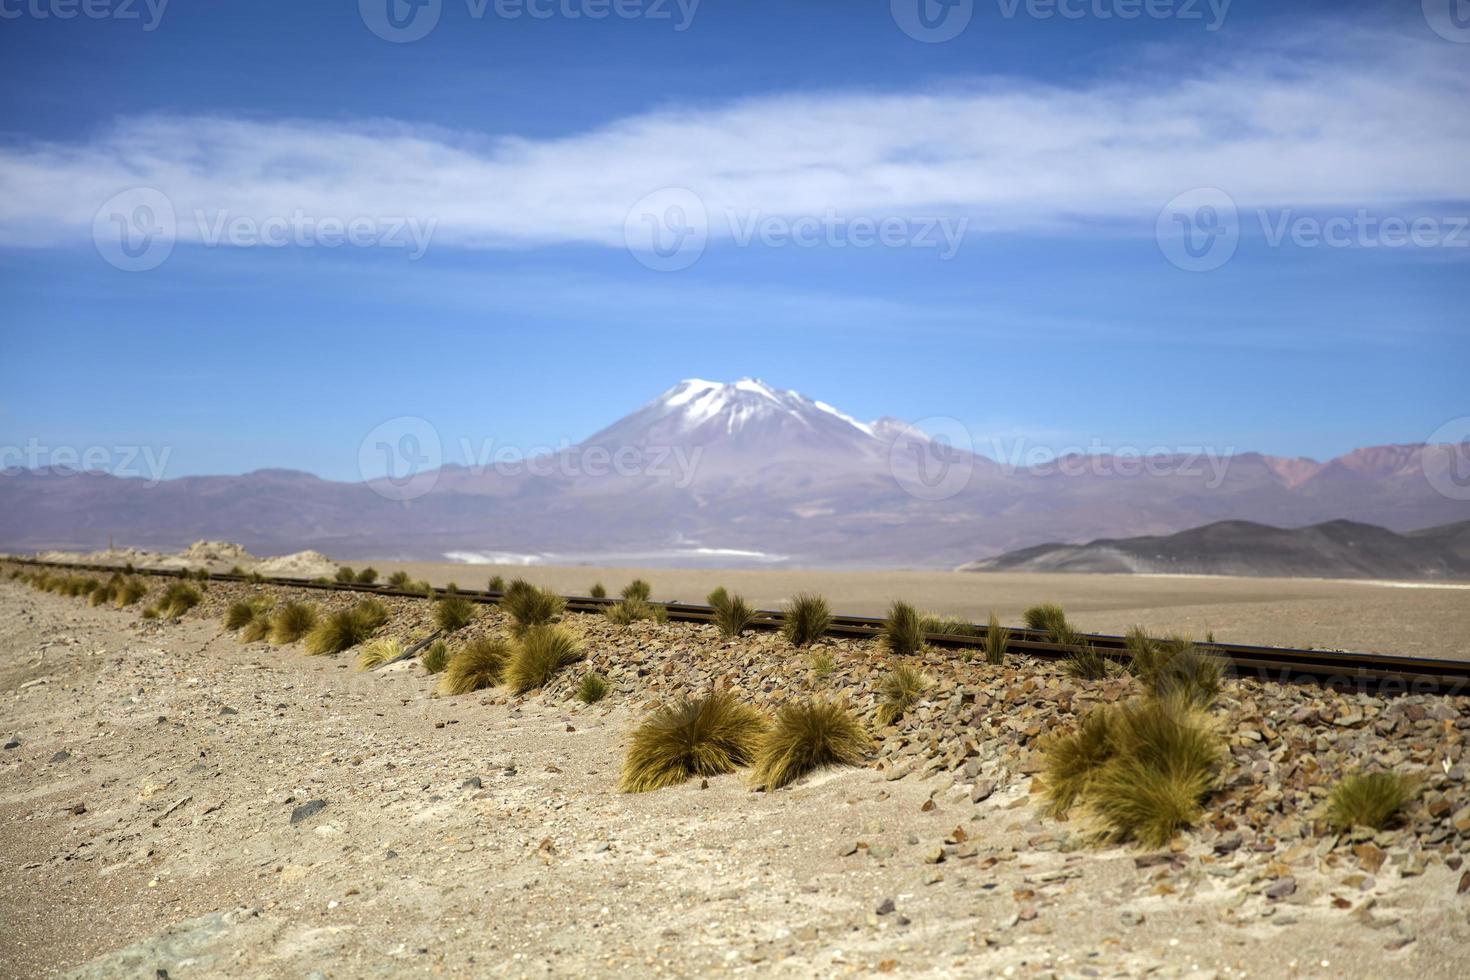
[807, 619]
[539, 653]
[102, 595]
[628, 611]
[435, 656]
[996, 638]
[129, 593]
[478, 664]
[598, 591]
[1140, 769]
[821, 664]
[1084, 661]
[376, 653]
[1369, 799]
[1176, 668]
[453, 612]
[346, 628]
[637, 589]
[346, 575]
[1073, 758]
[901, 689]
[808, 736]
[903, 630]
[592, 689]
[733, 614]
[496, 584]
[177, 599]
[290, 622]
[530, 606]
[695, 737]
[367, 576]
[1048, 617]
[400, 579]
[241, 614]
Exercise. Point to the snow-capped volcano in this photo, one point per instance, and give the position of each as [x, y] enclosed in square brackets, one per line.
[744, 417]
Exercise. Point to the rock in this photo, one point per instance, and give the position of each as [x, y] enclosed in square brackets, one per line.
[1228, 845]
[13, 743]
[982, 791]
[1370, 857]
[1131, 918]
[885, 907]
[61, 756]
[1281, 888]
[474, 782]
[306, 810]
[228, 711]
[934, 856]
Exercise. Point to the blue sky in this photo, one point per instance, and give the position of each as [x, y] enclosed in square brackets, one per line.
[527, 149]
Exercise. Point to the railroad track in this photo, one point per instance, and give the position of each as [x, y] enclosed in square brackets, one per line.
[1384, 673]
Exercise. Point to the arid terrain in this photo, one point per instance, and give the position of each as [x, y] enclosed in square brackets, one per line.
[174, 802]
[1413, 619]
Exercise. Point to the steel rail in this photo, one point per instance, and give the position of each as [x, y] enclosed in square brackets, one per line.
[1386, 672]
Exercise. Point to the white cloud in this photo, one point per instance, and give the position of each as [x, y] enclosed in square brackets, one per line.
[1361, 122]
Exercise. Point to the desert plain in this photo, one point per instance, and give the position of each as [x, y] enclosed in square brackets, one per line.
[174, 802]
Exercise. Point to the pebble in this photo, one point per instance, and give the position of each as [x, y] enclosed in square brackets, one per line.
[306, 810]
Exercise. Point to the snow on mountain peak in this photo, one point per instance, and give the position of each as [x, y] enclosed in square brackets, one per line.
[697, 402]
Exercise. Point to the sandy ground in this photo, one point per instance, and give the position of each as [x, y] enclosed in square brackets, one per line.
[1420, 620]
[146, 826]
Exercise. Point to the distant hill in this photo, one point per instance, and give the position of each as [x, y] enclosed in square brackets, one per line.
[731, 474]
[1336, 549]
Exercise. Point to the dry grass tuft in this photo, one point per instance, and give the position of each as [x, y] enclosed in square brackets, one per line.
[821, 664]
[598, 591]
[1140, 769]
[807, 619]
[476, 665]
[346, 575]
[177, 599]
[592, 689]
[400, 579]
[539, 653]
[903, 630]
[367, 576]
[1369, 799]
[346, 628]
[901, 689]
[637, 589]
[1176, 668]
[129, 593]
[530, 606]
[435, 656]
[704, 737]
[496, 583]
[733, 614]
[1048, 617]
[996, 638]
[453, 612]
[808, 736]
[631, 610]
[378, 652]
[290, 622]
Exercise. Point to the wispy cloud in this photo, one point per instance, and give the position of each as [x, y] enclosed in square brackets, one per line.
[1360, 121]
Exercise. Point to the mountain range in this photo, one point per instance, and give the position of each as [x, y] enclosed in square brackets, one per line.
[738, 473]
[1333, 549]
